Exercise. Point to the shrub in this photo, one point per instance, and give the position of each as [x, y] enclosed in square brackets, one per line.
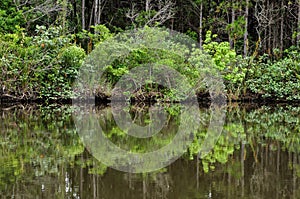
[228, 63]
[71, 59]
[277, 79]
[43, 66]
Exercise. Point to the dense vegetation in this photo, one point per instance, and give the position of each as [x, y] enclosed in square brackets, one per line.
[253, 44]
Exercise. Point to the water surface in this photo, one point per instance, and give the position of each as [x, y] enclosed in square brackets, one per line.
[256, 156]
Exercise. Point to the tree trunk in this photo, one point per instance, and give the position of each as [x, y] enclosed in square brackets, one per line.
[147, 6]
[64, 12]
[275, 37]
[282, 26]
[246, 29]
[200, 25]
[96, 10]
[83, 14]
[99, 11]
[269, 28]
[231, 39]
[73, 16]
[91, 16]
[298, 27]
[275, 30]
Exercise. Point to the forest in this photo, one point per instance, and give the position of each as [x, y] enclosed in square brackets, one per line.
[53, 147]
[254, 44]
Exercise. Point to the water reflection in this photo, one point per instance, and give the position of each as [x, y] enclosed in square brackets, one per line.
[257, 156]
[170, 138]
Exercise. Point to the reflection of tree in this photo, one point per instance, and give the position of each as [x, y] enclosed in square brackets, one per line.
[119, 136]
[262, 137]
[253, 127]
[256, 155]
[274, 170]
[153, 185]
[36, 142]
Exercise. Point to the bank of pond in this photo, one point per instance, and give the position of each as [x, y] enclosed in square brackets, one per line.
[51, 67]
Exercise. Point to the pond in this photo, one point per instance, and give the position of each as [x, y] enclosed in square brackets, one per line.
[44, 155]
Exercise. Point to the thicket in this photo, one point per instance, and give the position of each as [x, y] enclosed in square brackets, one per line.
[45, 66]
[43, 45]
[40, 67]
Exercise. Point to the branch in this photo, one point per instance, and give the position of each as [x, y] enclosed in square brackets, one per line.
[132, 14]
[164, 13]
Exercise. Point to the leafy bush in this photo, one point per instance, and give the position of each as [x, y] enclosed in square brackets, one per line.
[227, 62]
[277, 79]
[42, 66]
[156, 58]
[189, 62]
[89, 40]
[71, 59]
[10, 18]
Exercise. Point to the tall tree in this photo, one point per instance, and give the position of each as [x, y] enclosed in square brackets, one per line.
[246, 28]
[64, 13]
[99, 6]
[83, 14]
[231, 37]
[200, 24]
[298, 24]
[197, 8]
[282, 25]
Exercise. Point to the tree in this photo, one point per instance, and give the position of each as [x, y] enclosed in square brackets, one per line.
[298, 24]
[231, 36]
[154, 12]
[83, 14]
[99, 6]
[282, 25]
[246, 29]
[40, 12]
[198, 9]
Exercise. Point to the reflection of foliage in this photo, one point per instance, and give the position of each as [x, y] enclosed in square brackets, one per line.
[281, 124]
[37, 142]
[42, 137]
[122, 139]
[94, 167]
[252, 127]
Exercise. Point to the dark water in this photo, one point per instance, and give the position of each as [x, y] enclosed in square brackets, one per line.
[256, 156]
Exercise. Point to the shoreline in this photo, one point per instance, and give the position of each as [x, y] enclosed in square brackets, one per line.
[104, 99]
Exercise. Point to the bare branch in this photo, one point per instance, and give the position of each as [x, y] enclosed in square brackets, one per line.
[132, 14]
[165, 12]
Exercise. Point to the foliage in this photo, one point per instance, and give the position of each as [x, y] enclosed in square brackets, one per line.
[277, 79]
[98, 34]
[42, 61]
[226, 62]
[174, 57]
[10, 18]
[71, 58]
[144, 17]
[236, 29]
[43, 66]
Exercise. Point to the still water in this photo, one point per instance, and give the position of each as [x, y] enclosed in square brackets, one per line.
[42, 155]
